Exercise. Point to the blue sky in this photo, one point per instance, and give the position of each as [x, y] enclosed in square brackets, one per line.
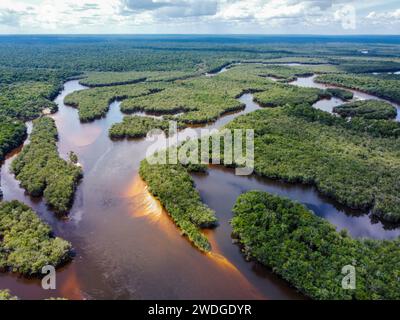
[200, 16]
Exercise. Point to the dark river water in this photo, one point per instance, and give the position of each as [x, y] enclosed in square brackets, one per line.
[126, 245]
[329, 104]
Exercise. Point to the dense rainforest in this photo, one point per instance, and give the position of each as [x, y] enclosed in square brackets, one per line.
[367, 109]
[137, 127]
[162, 173]
[373, 127]
[94, 103]
[303, 144]
[41, 171]
[287, 73]
[277, 95]
[12, 134]
[386, 89]
[166, 183]
[106, 79]
[196, 100]
[293, 149]
[27, 244]
[353, 159]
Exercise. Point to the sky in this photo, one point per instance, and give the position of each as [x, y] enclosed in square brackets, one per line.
[199, 17]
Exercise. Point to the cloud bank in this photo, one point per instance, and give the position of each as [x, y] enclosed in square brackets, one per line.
[199, 16]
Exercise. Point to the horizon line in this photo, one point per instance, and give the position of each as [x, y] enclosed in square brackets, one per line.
[203, 34]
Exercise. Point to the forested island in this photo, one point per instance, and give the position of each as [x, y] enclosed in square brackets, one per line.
[41, 171]
[387, 89]
[351, 156]
[367, 109]
[309, 253]
[27, 244]
[166, 182]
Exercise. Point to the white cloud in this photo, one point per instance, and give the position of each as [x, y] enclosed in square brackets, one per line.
[384, 17]
[47, 15]
[161, 9]
[275, 12]
[10, 17]
[298, 16]
[346, 15]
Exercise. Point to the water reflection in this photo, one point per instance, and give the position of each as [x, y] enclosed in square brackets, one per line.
[119, 253]
[126, 245]
[328, 105]
[221, 187]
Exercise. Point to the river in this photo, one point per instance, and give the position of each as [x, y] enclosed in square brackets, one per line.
[329, 104]
[126, 245]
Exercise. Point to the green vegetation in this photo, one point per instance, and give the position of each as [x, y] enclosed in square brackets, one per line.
[357, 170]
[12, 134]
[26, 243]
[41, 171]
[94, 103]
[386, 89]
[26, 92]
[202, 99]
[302, 60]
[286, 73]
[165, 53]
[27, 100]
[374, 128]
[365, 64]
[355, 161]
[174, 187]
[309, 253]
[12, 75]
[137, 127]
[281, 94]
[198, 105]
[386, 76]
[340, 93]
[112, 54]
[104, 79]
[5, 295]
[73, 158]
[171, 100]
[367, 109]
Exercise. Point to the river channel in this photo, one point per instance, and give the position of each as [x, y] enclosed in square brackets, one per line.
[125, 244]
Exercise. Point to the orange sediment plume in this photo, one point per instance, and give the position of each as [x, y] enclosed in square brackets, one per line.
[145, 205]
[79, 135]
[224, 263]
[70, 287]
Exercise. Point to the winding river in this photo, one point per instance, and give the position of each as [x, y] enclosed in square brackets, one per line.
[329, 104]
[126, 245]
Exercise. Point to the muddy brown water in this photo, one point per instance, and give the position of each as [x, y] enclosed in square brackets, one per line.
[127, 247]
